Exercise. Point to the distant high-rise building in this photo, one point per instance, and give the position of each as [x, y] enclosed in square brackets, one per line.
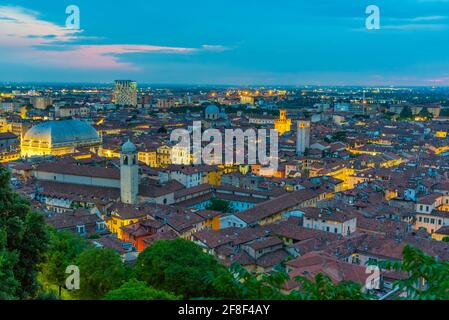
[125, 93]
[146, 101]
[165, 103]
[41, 102]
[247, 100]
[302, 137]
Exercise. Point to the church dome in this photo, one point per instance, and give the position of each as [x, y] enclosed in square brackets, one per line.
[212, 109]
[212, 112]
[128, 147]
[62, 132]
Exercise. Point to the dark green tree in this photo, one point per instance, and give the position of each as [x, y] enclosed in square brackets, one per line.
[424, 113]
[388, 115]
[428, 277]
[306, 152]
[337, 136]
[179, 266]
[65, 248]
[219, 205]
[406, 113]
[138, 290]
[242, 284]
[162, 130]
[25, 238]
[322, 288]
[269, 286]
[101, 270]
[8, 284]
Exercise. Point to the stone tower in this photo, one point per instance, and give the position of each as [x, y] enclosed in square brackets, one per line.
[302, 137]
[129, 173]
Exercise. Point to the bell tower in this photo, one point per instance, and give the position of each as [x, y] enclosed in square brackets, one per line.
[283, 114]
[283, 124]
[302, 137]
[129, 173]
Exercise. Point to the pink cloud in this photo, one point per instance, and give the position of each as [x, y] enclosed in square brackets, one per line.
[22, 27]
[28, 39]
[102, 56]
[442, 80]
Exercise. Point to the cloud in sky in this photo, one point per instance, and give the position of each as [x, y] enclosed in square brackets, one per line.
[415, 26]
[20, 27]
[300, 41]
[416, 23]
[101, 56]
[429, 23]
[26, 37]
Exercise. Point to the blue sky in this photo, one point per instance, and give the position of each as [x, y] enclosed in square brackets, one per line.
[246, 42]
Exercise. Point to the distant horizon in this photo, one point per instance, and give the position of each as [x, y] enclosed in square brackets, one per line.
[184, 85]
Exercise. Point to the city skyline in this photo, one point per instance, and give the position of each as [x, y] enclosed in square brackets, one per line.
[295, 43]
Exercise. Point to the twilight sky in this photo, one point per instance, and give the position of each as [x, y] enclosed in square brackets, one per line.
[236, 42]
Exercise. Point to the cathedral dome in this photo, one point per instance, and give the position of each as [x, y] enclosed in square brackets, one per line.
[212, 109]
[62, 132]
[212, 112]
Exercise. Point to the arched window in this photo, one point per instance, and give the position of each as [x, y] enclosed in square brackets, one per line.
[125, 160]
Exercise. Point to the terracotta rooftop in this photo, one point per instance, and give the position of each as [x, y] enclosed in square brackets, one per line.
[77, 170]
[276, 205]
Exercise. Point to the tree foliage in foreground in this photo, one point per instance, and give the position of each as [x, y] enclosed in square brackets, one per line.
[251, 286]
[101, 270]
[242, 284]
[23, 243]
[8, 284]
[138, 290]
[179, 266]
[428, 278]
[64, 249]
[322, 288]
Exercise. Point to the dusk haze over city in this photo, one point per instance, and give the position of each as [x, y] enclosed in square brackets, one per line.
[232, 159]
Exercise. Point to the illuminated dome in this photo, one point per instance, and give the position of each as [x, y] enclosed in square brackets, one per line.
[59, 137]
[212, 112]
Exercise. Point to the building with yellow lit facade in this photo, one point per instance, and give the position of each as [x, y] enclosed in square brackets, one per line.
[247, 100]
[164, 156]
[109, 152]
[441, 234]
[149, 157]
[58, 138]
[213, 176]
[123, 215]
[283, 125]
[160, 157]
